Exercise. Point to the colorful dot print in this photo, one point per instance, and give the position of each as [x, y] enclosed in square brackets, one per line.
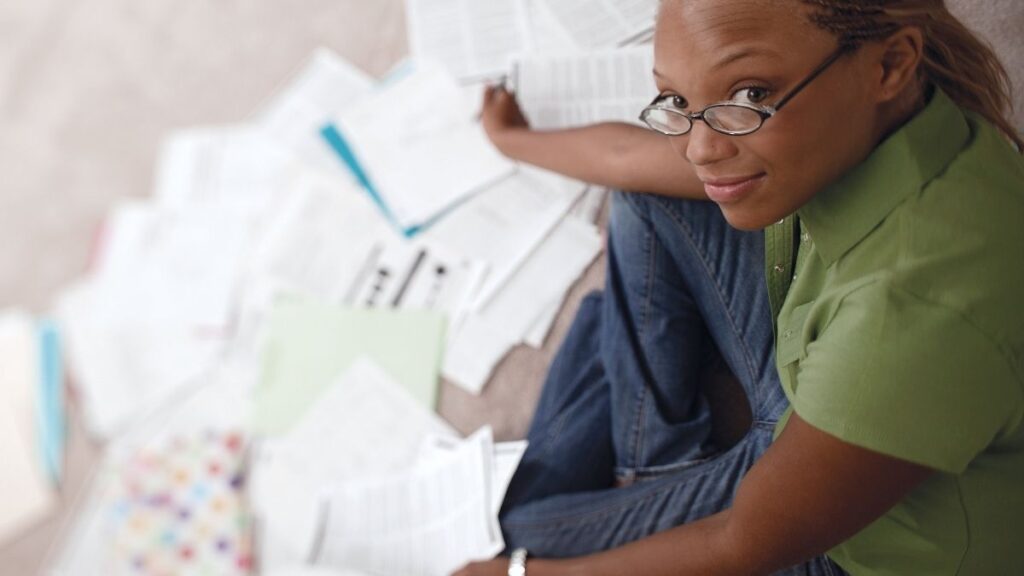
[181, 511]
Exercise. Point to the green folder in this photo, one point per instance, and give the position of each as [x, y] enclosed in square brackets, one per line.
[310, 344]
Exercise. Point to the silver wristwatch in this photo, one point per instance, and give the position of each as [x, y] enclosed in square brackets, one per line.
[517, 562]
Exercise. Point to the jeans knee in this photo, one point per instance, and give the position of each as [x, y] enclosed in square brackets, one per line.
[630, 215]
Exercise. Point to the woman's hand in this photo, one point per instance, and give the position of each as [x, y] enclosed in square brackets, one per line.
[496, 567]
[501, 114]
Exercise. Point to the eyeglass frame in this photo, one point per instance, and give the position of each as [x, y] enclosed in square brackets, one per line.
[765, 112]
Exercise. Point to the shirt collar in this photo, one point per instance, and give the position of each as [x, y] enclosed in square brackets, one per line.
[845, 212]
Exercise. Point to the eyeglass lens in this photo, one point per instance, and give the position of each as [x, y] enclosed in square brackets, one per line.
[723, 118]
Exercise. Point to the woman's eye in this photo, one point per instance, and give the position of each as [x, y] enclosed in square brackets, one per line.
[750, 95]
[678, 102]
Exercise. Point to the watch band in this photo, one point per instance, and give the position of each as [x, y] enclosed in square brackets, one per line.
[517, 562]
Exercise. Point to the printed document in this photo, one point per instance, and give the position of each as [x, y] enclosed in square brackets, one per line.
[325, 87]
[484, 338]
[429, 522]
[505, 224]
[328, 445]
[155, 313]
[235, 165]
[604, 23]
[473, 39]
[562, 91]
[417, 145]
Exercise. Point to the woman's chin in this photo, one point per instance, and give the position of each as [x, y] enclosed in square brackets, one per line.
[744, 219]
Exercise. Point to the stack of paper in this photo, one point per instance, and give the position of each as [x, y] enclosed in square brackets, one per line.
[298, 487]
[307, 276]
[428, 521]
[570, 62]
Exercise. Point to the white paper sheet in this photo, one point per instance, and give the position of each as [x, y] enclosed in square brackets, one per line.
[591, 205]
[604, 23]
[26, 495]
[124, 371]
[428, 522]
[505, 224]
[547, 35]
[417, 275]
[573, 90]
[323, 239]
[484, 338]
[418, 142]
[237, 164]
[325, 87]
[172, 265]
[542, 327]
[320, 240]
[157, 310]
[364, 425]
[473, 39]
[507, 456]
[80, 547]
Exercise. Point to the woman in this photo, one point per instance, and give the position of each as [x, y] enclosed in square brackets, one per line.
[883, 357]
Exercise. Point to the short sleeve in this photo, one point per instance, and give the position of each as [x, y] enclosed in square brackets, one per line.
[912, 379]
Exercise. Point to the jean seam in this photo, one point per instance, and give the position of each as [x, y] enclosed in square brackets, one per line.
[756, 401]
[700, 470]
[637, 427]
[598, 514]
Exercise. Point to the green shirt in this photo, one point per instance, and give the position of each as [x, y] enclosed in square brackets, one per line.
[899, 298]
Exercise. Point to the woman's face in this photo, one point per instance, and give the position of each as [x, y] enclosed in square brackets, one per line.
[709, 51]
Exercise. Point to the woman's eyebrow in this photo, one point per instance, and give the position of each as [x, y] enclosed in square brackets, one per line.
[744, 52]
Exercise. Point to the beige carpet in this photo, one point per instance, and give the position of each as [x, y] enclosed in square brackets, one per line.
[87, 89]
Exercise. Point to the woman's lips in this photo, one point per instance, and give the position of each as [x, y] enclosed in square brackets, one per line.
[729, 190]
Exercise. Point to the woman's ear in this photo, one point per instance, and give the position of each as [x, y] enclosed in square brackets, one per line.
[899, 57]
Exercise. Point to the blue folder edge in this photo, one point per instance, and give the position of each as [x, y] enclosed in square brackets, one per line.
[50, 407]
[336, 140]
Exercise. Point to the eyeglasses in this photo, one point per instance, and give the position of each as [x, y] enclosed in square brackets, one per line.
[729, 118]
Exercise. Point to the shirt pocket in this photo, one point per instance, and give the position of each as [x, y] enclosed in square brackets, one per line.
[791, 335]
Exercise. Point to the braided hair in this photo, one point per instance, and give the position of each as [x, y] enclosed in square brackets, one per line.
[954, 58]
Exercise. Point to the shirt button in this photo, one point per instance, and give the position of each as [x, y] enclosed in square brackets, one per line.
[787, 334]
[805, 237]
[779, 269]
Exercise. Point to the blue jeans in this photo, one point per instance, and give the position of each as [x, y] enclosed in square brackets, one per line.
[622, 403]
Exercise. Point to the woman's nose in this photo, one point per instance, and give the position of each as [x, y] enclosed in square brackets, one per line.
[703, 146]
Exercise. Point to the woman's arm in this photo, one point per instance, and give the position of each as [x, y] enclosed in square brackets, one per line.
[807, 494]
[615, 155]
